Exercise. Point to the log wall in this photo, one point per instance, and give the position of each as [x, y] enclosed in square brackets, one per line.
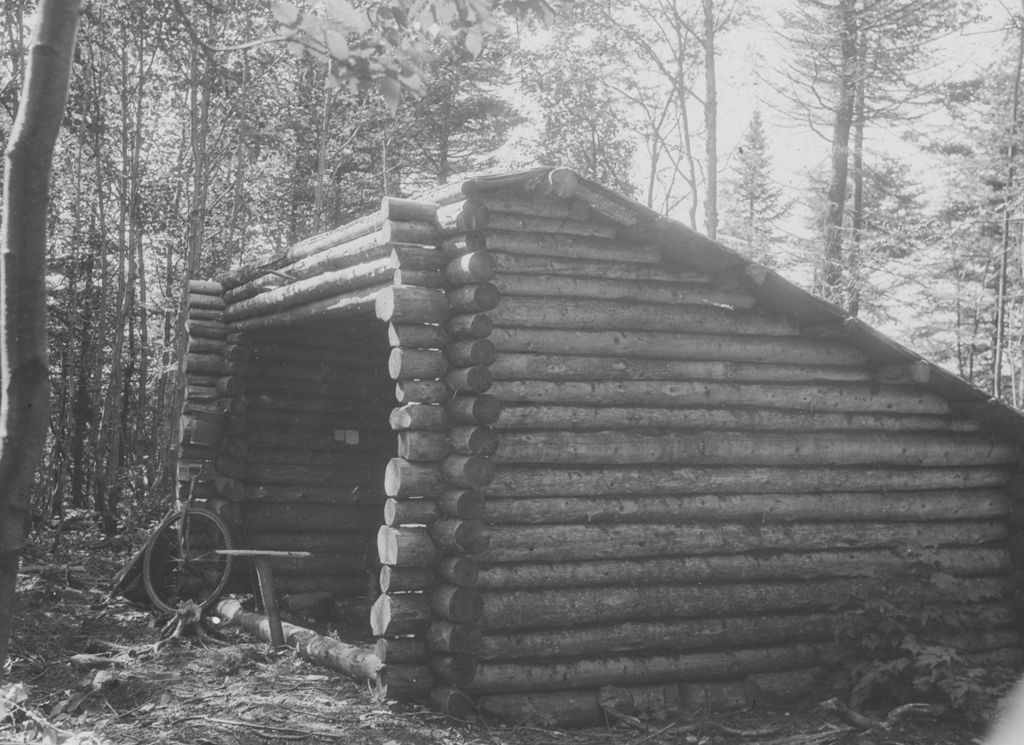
[687, 487]
[594, 466]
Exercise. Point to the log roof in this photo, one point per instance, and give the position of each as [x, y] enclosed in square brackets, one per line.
[638, 225]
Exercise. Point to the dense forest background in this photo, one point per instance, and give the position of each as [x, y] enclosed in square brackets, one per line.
[837, 141]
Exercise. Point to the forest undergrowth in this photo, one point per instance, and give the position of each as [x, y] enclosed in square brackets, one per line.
[86, 669]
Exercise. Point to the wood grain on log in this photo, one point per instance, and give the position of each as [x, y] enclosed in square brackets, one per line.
[408, 579]
[633, 670]
[471, 268]
[683, 635]
[908, 506]
[624, 481]
[558, 312]
[410, 511]
[419, 416]
[520, 366]
[461, 217]
[512, 223]
[974, 560]
[351, 303]
[394, 231]
[421, 391]
[638, 540]
[406, 547]
[407, 210]
[475, 298]
[417, 336]
[562, 608]
[582, 289]
[482, 409]
[474, 440]
[703, 347]
[432, 278]
[456, 536]
[567, 247]
[304, 291]
[474, 379]
[419, 445]
[406, 304]
[456, 604]
[412, 364]
[736, 448]
[723, 292]
[403, 478]
[417, 258]
[529, 416]
[467, 504]
[806, 396]
[469, 326]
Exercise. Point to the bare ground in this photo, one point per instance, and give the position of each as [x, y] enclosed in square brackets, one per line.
[84, 670]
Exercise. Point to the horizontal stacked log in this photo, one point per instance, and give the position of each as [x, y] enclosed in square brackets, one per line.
[440, 361]
[687, 488]
[215, 364]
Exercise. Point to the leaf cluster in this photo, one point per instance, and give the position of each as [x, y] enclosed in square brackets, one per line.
[909, 641]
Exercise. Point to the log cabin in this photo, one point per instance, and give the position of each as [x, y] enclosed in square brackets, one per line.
[588, 453]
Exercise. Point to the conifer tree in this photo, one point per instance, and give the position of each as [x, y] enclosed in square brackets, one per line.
[754, 204]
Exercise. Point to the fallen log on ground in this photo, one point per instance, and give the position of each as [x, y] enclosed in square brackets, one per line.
[358, 663]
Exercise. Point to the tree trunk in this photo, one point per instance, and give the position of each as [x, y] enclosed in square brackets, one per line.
[24, 407]
[710, 121]
[1008, 199]
[831, 280]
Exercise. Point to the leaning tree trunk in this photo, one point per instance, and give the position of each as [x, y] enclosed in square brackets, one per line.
[25, 403]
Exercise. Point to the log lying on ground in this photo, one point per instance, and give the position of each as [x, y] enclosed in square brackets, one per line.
[520, 366]
[738, 448]
[585, 673]
[538, 416]
[915, 506]
[814, 397]
[356, 662]
[521, 481]
[970, 561]
[718, 347]
[636, 540]
[562, 608]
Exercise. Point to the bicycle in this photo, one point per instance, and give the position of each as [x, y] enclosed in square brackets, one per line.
[187, 558]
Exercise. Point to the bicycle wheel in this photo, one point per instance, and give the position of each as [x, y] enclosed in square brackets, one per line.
[181, 561]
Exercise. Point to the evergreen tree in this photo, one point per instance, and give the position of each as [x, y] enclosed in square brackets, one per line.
[754, 204]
